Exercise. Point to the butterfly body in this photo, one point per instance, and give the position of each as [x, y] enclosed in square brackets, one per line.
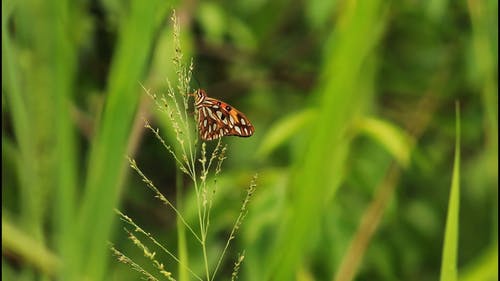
[217, 118]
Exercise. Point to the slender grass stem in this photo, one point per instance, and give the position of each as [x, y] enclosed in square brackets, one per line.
[237, 223]
[129, 221]
[181, 229]
[160, 196]
[126, 260]
[175, 104]
[205, 256]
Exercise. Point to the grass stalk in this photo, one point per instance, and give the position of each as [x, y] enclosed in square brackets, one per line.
[369, 223]
[138, 229]
[126, 260]
[181, 229]
[162, 197]
[21, 244]
[175, 104]
[150, 255]
[238, 222]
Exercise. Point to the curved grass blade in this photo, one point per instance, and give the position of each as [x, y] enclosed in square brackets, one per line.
[449, 259]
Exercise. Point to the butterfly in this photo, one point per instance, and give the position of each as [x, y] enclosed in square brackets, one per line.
[217, 118]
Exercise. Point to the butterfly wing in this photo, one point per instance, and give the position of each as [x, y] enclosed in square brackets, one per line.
[217, 119]
[238, 123]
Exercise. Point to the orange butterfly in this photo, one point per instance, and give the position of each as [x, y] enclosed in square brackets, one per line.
[217, 118]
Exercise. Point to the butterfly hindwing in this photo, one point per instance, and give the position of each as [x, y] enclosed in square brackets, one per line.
[239, 124]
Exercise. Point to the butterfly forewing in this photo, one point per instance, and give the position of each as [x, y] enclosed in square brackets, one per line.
[217, 119]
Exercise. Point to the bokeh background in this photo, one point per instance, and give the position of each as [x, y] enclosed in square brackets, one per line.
[354, 108]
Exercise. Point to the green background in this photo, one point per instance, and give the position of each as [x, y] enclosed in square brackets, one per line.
[353, 104]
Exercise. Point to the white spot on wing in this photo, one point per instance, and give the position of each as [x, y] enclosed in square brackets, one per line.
[205, 123]
[219, 114]
[237, 129]
[211, 114]
[231, 119]
[243, 121]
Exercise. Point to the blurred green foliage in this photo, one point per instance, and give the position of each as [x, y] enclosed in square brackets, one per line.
[354, 108]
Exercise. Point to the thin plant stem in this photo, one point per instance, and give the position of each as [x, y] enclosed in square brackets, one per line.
[126, 260]
[160, 196]
[237, 223]
[205, 257]
[221, 157]
[175, 104]
[150, 255]
[202, 231]
[181, 229]
[128, 220]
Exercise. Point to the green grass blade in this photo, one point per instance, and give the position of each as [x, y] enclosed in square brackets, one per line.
[450, 255]
[23, 246]
[317, 172]
[21, 125]
[284, 129]
[106, 167]
[41, 119]
[394, 139]
[485, 267]
[62, 74]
